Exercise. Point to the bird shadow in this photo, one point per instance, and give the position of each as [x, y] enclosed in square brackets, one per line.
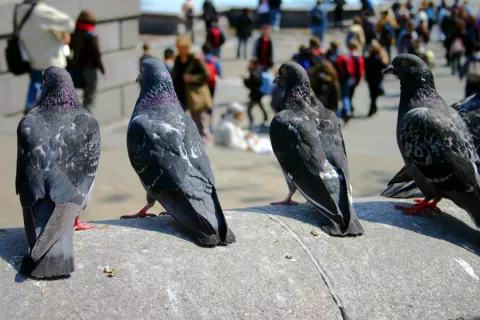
[442, 225]
[13, 248]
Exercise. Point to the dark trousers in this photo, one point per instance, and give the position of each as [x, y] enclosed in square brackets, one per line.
[455, 62]
[252, 104]
[338, 17]
[90, 90]
[189, 27]
[351, 92]
[374, 89]
[202, 120]
[242, 43]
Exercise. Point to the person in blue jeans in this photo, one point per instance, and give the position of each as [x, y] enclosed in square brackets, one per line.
[275, 13]
[34, 89]
[319, 19]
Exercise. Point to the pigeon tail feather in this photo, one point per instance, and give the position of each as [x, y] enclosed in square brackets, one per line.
[402, 190]
[353, 229]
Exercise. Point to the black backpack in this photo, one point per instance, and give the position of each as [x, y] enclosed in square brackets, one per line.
[317, 17]
[13, 54]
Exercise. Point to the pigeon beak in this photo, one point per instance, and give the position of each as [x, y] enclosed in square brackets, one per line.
[388, 70]
[277, 79]
[138, 79]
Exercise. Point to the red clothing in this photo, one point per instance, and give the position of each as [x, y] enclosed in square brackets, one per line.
[350, 67]
[84, 26]
[264, 56]
[318, 52]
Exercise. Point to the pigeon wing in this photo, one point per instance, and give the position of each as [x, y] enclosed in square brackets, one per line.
[440, 148]
[159, 156]
[59, 163]
[299, 151]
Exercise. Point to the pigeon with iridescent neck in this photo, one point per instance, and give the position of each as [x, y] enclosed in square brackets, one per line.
[434, 141]
[166, 151]
[58, 154]
[307, 141]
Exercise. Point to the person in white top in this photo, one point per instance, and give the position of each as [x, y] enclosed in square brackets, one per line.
[188, 10]
[43, 37]
[229, 133]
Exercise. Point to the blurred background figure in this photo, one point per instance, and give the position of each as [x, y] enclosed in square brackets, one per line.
[190, 77]
[457, 42]
[209, 13]
[43, 36]
[471, 72]
[369, 32]
[263, 12]
[386, 27]
[86, 56]
[275, 13]
[215, 38]
[355, 32]
[214, 69]
[324, 81]
[243, 27]
[253, 83]
[229, 132]
[338, 14]
[319, 19]
[263, 48]
[375, 62]
[169, 59]
[146, 53]
[188, 10]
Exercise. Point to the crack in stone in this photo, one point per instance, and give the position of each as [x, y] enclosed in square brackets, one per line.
[323, 274]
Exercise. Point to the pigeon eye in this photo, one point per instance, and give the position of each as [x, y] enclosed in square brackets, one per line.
[404, 63]
[283, 70]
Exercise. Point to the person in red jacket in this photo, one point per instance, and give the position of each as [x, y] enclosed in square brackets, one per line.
[356, 65]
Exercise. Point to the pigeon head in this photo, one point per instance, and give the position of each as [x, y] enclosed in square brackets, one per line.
[58, 89]
[153, 72]
[56, 78]
[407, 66]
[294, 79]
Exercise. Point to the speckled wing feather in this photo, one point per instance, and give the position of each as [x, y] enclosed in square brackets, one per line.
[58, 162]
[469, 111]
[440, 148]
[172, 165]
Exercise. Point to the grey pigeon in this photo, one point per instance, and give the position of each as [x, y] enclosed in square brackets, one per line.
[434, 141]
[307, 141]
[167, 153]
[402, 185]
[58, 153]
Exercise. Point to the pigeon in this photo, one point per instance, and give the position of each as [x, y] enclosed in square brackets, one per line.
[307, 141]
[166, 151]
[402, 185]
[434, 141]
[57, 159]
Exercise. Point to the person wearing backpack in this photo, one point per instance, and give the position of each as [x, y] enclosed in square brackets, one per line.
[87, 58]
[319, 19]
[213, 66]
[375, 63]
[471, 71]
[254, 82]
[356, 68]
[386, 27]
[43, 35]
[215, 38]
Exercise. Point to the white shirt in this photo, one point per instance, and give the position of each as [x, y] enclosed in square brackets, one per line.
[229, 135]
[41, 35]
[263, 8]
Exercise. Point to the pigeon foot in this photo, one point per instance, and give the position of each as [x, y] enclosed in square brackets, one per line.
[141, 214]
[288, 202]
[421, 206]
[78, 226]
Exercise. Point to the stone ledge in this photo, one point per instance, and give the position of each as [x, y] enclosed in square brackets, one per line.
[402, 268]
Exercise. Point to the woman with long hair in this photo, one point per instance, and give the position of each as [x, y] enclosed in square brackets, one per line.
[376, 61]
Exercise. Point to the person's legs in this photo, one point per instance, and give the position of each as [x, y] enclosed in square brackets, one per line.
[250, 106]
[90, 90]
[34, 88]
[240, 42]
[216, 52]
[202, 120]
[265, 115]
[245, 48]
[351, 91]
[275, 18]
[373, 88]
[319, 34]
[346, 106]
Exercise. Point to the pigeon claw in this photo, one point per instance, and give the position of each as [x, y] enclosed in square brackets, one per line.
[422, 206]
[78, 226]
[284, 203]
[138, 215]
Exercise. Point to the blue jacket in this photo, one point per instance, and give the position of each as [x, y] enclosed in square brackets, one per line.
[324, 9]
[209, 57]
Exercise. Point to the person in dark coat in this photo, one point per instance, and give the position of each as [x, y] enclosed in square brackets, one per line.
[376, 61]
[87, 58]
[369, 31]
[253, 83]
[244, 31]
[275, 13]
[263, 48]
[210, 14]
[338, 16]
[458, 43]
